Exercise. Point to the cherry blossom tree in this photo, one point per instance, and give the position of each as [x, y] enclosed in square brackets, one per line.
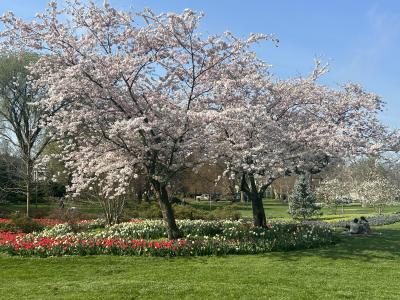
[271, 128]
[334, 191]
[378, 192]
[148, 94]
[138, 91]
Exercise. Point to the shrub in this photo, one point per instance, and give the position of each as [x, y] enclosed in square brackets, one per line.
[147, 211]
[25, 224]
[8, 227]
[227, 212]
[302, 202]
[39, 213]
[189, 213]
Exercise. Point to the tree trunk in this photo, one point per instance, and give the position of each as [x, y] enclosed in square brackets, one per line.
[379, 210]
[139, 195]
[146, 192]
[28, 197]
[167, 211]
[259, 218]
[113, 208]
[28, 181]
[255, 196]
[242, 197]
[146, 197]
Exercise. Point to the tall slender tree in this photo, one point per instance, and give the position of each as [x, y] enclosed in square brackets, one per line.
[20, 119]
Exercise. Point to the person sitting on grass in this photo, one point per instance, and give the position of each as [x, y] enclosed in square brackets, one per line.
[365, 228]
[355, 227]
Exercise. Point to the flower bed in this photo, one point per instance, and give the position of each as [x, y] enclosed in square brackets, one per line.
[9, 237]
[148, 237]
[155, 229]
[201, 238]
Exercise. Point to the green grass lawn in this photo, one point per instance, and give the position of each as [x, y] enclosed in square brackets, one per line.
[356, 268]
[273, 209]
[277, 209]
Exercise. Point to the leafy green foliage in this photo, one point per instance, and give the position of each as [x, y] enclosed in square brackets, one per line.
[25, 224]
[302, 204]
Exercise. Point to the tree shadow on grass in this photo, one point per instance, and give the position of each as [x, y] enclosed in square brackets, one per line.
[361, 248]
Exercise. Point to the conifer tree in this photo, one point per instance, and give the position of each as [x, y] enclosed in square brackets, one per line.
[302, 203]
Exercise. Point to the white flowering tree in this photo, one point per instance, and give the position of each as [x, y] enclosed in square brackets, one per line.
[268, 129]
[137, 91]
[378, 192]
[148, 94]
[333, 192]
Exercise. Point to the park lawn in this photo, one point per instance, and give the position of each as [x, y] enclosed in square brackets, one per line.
[274, 209]
[356, 268]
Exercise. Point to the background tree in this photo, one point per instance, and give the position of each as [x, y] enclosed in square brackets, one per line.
[373, 184]
[282, 187]
[334, 192]
[378, 193]
[302, 202]
[10, 175]
[372, 181]
[20, 121]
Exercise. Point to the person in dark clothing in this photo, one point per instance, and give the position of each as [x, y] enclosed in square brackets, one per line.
[355, 227]
[365, 228]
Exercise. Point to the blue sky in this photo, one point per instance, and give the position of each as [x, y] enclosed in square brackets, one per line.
[360, 38]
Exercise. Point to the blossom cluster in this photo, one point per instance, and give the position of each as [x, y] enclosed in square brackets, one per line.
[158, 86]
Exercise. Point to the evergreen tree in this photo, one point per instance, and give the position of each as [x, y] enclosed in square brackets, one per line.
[302, 203]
